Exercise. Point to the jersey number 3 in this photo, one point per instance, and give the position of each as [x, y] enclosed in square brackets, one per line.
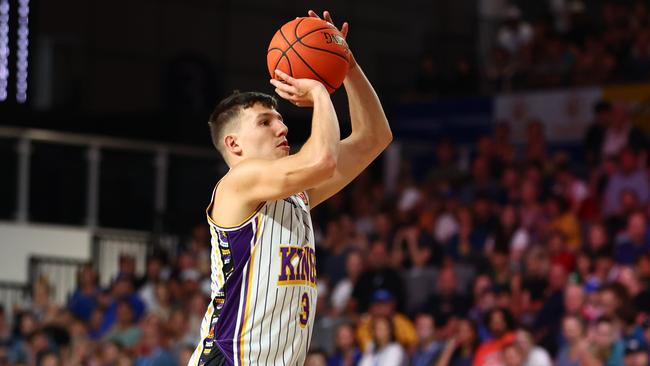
[304, 309]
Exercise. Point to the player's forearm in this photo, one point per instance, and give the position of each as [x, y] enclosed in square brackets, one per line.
[366, 113]
[325, 135]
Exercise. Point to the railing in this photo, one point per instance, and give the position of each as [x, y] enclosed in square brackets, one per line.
[59, 273]
[110, 245]
[12, 295]
[103, 168]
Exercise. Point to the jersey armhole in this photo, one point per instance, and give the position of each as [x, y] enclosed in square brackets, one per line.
[208, 212]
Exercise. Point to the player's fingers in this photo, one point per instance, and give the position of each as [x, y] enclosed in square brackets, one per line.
[327, 16]
[345, 29]
[284, 76]
[284, 95]
[313, 14]
[284, 87]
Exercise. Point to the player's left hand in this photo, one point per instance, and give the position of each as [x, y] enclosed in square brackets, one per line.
[345, 28]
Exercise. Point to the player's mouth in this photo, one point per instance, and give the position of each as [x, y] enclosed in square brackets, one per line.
[284, 145]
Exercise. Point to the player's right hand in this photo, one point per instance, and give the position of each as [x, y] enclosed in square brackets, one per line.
[300, 92]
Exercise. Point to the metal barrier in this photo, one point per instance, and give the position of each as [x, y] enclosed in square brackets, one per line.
[59, 273]
[109, 245]
[12, 295]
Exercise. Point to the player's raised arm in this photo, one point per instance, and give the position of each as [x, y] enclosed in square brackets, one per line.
[263, 178]
[370, 135]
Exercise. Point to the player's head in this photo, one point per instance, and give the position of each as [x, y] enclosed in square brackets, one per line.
[247, 125]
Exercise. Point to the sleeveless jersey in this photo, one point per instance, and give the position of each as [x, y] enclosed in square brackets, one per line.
[263, 287]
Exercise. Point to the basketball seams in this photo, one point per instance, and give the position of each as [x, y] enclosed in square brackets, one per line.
[303, 60]
[298, 39]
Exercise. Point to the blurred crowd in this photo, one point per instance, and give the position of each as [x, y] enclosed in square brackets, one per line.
[571, 43]
[573, 46]
[530, 257]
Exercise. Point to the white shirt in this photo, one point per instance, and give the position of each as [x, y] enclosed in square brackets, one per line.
[391, 355]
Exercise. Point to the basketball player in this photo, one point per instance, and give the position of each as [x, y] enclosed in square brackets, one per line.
[263, 262]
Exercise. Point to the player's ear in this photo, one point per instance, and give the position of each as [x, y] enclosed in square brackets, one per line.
[230, 141]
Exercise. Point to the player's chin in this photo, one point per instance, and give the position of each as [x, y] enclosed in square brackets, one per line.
[282, 151]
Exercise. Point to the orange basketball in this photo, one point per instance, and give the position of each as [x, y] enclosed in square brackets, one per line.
[310, 48]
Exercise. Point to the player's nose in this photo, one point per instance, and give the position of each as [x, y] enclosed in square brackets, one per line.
[283, 130]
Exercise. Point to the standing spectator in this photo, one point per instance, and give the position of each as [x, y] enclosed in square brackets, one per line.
[383, 351]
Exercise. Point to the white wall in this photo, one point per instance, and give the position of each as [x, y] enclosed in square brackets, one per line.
[18, 242]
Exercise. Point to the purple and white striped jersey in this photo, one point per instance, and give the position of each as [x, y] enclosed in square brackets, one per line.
[263, 287]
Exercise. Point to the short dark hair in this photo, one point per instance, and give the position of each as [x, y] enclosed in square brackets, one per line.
[229, 107]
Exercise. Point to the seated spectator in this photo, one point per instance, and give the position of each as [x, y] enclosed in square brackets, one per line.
[501, 326]
[383, 350]
[316, 357]
[122, 290]
[342, 292]
[124, 331]
[607, 346]
[383, 305]
[635, 241]
[378, 275]
[347, 352]
[428, 348]
[636, 354]
[630, 177]
[460, 348]
[446, 305]
[533, 355]
[573, 331]
[84, 298]
[513, 355]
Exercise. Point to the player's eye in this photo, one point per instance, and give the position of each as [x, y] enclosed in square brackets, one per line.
[265, 122]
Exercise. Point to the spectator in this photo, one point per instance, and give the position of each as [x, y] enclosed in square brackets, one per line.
[84, 297]
[634, 241]
[573, 331]
[342, 292]
[316, 357]
[533, 355]
[124, 331]
[122, 290]
[347, 352]
[459, 349]
[446, 305]
[383, 305]
[636, 354]
[377, 276]
[501, 326]
[428, 349]
[607, 347]
[630, 177]
[595, 135]
[383, 350]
